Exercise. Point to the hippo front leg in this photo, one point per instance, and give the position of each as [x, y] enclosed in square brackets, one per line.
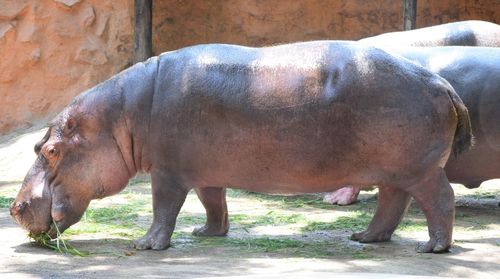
[168, 198]
[214, 201]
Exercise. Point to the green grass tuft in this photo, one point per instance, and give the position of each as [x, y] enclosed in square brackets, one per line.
[117, 220]
[358, 255]
[270, 218]
[302, 201]
[359, 221]
[5, 202]
[479, 194]
[412, 226]
[258, 244]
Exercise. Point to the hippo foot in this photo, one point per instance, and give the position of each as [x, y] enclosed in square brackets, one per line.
[149, 241]
[343, 196]
[473, 185]
[367, 237]
[433, 246]
[210, 231]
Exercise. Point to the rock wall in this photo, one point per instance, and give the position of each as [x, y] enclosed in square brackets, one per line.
[178, 23]
[51, 50]
[260, 22]
[431, 12]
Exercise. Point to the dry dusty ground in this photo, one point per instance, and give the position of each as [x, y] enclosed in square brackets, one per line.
[269, 238]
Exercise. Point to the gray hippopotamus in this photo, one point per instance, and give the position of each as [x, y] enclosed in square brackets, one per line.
[296, 118]
[463, 33]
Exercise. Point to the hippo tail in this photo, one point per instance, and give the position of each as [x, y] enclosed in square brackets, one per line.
[463, 139]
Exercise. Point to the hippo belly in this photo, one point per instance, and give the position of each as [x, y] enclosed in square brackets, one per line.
[311, 148]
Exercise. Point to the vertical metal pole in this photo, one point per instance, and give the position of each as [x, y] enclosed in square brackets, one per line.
[143, 30]
[409, 14]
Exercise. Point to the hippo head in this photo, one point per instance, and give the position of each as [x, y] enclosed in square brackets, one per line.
[78, 160]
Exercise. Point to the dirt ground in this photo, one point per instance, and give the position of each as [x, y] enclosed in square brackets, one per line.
[270, 237]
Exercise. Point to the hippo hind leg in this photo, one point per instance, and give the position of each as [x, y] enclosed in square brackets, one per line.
[214, 201]
[435, 197]
[392, 205]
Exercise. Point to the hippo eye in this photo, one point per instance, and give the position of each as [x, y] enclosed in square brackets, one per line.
[51, 152]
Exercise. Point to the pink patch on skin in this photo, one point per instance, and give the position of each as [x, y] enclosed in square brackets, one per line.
[343, 196]
[57, 215]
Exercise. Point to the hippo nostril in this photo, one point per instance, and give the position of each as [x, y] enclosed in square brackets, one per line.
[17, 208]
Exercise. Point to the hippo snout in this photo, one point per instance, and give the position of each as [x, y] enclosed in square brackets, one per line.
[31, 208]
[30, 218]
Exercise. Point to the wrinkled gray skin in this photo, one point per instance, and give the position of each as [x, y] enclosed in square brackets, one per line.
[297, 118]
[478, 165]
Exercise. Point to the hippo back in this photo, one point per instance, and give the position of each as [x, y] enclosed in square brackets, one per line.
[463, 33]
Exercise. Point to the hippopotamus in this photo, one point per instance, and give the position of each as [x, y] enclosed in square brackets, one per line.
[295, 118]
[463, 33]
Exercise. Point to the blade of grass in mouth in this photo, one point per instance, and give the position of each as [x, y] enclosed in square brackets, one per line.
[57, 244]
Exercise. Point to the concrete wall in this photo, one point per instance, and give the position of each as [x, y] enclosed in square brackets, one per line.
[51, 50]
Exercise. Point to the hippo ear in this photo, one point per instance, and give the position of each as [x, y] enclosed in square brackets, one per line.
[38, 145]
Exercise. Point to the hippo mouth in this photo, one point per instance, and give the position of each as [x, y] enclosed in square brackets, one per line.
[53, 231]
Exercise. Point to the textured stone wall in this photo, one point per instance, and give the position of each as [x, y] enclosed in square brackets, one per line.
[51, 50]
[263, 22]
[178, 23]
[432, 12]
